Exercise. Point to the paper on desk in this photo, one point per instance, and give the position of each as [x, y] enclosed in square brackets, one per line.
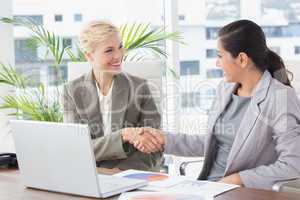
[206, 188]
[160, 196]
[160, 182]
[156, 181]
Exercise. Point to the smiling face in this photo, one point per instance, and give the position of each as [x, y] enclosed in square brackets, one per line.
[106, 56]
[231, 66]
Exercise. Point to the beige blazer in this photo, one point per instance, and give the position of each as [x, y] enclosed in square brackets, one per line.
[132, 106]
[266, 147]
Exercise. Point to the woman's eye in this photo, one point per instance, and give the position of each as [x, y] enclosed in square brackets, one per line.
[219, 56]
[108, 51]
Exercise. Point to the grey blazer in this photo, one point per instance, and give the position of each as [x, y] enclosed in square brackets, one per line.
[266, 147]
[132, 106]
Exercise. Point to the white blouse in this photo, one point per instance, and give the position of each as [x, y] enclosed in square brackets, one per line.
[105, 108]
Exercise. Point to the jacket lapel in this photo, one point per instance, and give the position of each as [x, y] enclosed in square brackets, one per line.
[221, 103]
[120, 96]
[224, 97]
[90, 101]
[250, 117]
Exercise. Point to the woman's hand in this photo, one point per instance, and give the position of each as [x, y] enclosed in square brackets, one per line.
[232, 179]
[130, 134]
[150, 140]
[146, 140]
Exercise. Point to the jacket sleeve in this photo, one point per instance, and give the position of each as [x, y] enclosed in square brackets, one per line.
[70, 114]
[149, 116]
[149, 113]
[192, 145]
[185, 144]
[286, 135]
[105, 148]
[110, 147]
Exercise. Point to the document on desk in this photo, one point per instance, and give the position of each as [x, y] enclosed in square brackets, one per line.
[160, 182]
[160, 196]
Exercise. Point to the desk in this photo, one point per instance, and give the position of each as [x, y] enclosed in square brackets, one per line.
[11, 188]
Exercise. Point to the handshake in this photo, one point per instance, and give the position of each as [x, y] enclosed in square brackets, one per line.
[145, 139]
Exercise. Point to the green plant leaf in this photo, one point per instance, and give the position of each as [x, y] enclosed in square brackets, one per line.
[9, 75]
[139, 36]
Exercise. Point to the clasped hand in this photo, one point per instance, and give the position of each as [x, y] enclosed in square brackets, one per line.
[145, 139]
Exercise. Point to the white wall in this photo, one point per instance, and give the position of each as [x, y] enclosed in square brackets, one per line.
[6, 56]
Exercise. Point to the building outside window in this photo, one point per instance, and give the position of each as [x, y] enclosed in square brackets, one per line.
[297, 50]
[55, 76]
[77, 17]
[212, 33]
[211, 53]
[273, 31]
[58, 18]
[37, 19]
[214, 73]
[220, 10]
[190, 67]
[181, 17]
[200, 100]
[67, 42]
[23, 53]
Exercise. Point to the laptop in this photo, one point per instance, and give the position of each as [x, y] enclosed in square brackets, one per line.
[59, 157]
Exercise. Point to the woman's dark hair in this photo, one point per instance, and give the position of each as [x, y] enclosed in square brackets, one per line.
[248, 37]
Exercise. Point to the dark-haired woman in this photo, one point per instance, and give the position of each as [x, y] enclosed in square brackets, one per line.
[253, 137]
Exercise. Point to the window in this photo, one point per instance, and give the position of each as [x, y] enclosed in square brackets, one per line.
[214, 73]
[290, 30]
[37, 19]
[32, 73]
[273, 31]
[181, 17]
[58, 18]
[220, 10]
[212, 33]
[55, 76]
[23, 53]
[280, 10]
[77, 17]
[190, 99]
[67, 42]
[202, 100]
[297, 50]
[189, 67]
[211, 53]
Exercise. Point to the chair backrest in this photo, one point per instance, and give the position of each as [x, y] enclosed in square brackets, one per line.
[149, 70]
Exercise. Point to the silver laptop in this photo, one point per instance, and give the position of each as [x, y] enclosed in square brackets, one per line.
[59, 157]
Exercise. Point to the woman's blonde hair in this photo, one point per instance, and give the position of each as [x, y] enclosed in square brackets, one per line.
[95, 32]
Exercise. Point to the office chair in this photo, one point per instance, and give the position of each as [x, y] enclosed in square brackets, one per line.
[286, 186]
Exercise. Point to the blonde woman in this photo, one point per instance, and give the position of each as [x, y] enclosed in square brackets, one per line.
[109, 101]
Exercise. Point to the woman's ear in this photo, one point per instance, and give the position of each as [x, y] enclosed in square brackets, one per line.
[88, 56]
[243, 60]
